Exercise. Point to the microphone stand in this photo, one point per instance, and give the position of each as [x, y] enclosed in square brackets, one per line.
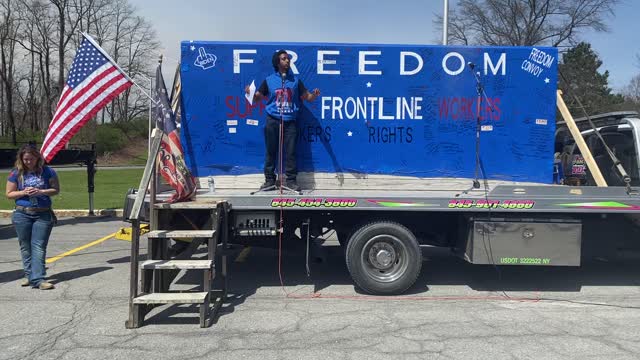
[481, 93]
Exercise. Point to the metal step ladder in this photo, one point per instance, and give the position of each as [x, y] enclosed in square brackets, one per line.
[156, 274]
[150, 292]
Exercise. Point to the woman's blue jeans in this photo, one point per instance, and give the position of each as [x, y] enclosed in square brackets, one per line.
[33, 231]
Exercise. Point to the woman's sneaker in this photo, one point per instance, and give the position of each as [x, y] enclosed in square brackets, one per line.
[45, 286]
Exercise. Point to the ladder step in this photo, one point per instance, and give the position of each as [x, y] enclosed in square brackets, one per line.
[166, 234]
[177, 264]
[172, 298]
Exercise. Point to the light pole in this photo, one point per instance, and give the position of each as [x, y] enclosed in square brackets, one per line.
[445, 23]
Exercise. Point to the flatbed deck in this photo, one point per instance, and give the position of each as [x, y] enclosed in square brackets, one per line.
[498, 196]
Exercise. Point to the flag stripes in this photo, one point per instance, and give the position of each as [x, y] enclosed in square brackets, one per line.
[93, 81]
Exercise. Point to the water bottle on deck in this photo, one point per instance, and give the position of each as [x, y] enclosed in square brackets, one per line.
[212, 185]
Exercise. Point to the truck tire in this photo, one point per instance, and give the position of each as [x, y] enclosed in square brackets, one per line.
[383, 258]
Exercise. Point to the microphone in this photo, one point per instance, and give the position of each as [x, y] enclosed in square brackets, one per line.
[283, 76]
[471, 65]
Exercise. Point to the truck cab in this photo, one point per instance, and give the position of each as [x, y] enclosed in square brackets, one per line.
[619, 130]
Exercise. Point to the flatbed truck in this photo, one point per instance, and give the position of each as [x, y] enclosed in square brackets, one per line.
[381, 221]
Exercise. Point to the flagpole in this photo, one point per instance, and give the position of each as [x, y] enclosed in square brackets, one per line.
[445, 23]
[176, 88]
[150, 111]
[150, 108]
[104, 53]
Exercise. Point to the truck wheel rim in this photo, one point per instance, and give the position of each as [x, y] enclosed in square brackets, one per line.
[384, 258]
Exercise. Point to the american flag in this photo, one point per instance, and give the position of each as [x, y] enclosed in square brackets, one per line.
[171, 156]
[93, 81]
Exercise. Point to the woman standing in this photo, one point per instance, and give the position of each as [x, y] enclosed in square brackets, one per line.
[31, 184]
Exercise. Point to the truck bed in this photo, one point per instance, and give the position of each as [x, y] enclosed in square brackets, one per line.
[439, 195]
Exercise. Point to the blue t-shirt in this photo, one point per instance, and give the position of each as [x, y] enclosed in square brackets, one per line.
[287, 100]
[31, 179]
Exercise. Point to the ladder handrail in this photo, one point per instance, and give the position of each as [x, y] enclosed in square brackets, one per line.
[146, 176]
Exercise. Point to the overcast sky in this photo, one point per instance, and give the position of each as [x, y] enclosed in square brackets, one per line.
[351, 21]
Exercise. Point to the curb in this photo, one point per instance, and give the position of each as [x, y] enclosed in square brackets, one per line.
[74, 212]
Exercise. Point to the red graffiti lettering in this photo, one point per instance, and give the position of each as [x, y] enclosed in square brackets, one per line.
[455, 108]
[240, 108]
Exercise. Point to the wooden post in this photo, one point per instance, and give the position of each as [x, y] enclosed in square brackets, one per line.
[135, 315]
[582, 145]
[134, 310]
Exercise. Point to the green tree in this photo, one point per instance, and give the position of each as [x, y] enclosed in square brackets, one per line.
[580, 78]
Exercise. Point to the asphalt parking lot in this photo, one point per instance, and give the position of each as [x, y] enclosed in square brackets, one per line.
[455, 310]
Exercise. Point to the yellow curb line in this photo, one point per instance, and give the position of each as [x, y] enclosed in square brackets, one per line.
[73, 251]
[243, 254]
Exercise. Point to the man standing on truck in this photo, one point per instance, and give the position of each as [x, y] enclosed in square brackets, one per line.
[283, 91]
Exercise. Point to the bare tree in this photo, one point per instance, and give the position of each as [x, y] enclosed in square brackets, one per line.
[525, 22]
[38, 39]
[130, 40]
[121, 13]
[70, 13]
[138, 42]
[9, 27]
[632, 91]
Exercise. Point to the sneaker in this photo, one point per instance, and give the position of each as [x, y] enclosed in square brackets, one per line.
[45, 286]
[269, 184]
[292, 184]
[24, 282]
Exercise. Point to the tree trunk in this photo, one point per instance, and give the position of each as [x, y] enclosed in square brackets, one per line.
[32, 93]
[7, 48]
[4, 125]
[7, 78]
[61, 44]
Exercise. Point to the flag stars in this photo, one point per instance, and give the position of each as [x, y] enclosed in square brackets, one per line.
[87, 60]
[369, 84]
[546, 80]
[349, 134]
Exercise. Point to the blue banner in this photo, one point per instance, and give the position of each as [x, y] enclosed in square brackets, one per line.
[405, 110]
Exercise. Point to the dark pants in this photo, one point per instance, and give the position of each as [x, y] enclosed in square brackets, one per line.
[272, 140]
